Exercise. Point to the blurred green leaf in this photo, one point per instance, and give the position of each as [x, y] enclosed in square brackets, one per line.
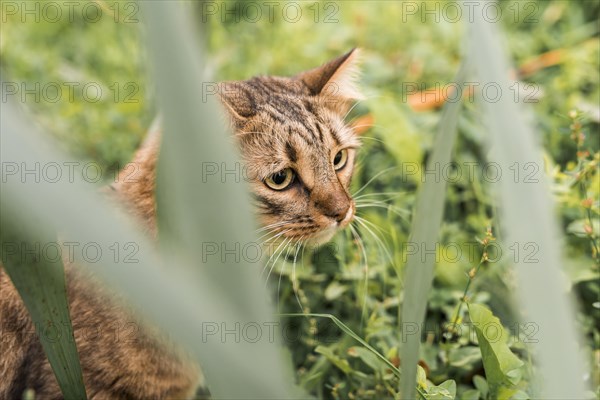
[471, 394]
[40, 281]
[499, 362]
[527, 216]
[519, 395]
[424, 234]
[422, 378]
[481, 384]
[464, 357]
[336, 360]
[578, 227]
[194, 211]
[444, 391]
[335, 290]
[368, 358]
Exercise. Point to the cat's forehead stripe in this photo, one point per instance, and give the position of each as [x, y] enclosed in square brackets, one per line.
[335, 137]
[318, 128]
[291, 152]
[298, 118]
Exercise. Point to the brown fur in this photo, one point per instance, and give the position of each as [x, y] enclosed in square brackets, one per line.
[280, 123]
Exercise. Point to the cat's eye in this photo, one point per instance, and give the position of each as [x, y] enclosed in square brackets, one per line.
[280, 180]
[340, 159]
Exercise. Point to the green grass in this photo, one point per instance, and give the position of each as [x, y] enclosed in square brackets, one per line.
[398, 48]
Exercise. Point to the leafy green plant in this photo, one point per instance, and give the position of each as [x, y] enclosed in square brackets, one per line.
[365, 290]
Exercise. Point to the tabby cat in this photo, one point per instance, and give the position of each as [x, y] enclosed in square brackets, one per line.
[292, 135]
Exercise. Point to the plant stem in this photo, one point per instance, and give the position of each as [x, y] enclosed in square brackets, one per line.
[472, 273]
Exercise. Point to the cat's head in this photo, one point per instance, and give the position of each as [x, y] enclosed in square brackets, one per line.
[298, 152]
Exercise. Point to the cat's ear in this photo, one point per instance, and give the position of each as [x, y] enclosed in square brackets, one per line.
[335, 79]
[237, 100]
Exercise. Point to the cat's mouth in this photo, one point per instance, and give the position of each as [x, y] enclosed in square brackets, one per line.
[348, 217]
[327, 233]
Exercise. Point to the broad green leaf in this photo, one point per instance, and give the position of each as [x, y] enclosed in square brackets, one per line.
[424, 234]
[506, 393]
[578, 227]
[578, 270]
[499, 362]
[481, 384]
[471, 394]
[527, 216]
[444, 391]
[335, 290]
[40, 281]
[422, 378]
[519, 395]
[195, 210]
[368, 358]
[464, 357]
[316, 373]
[334, 359]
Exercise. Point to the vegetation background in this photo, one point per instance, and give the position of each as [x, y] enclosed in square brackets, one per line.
[555, 47]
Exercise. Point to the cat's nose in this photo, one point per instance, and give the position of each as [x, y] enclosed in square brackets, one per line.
[348, 216]
[337, 207]
[341, 214]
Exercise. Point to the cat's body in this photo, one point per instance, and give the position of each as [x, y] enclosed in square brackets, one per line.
[293, 139]
[119, 359]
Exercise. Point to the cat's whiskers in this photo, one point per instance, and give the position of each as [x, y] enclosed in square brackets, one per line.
[377, 228]
[287, 255]
[362, 137]
[299, 243]
[269, 243]
[262, 228]
[374, 202]
[371, 200]
[276, 232]
[384, 202]
[295, 284]
[377, 175]
[390, 195]
[283, 243]
[357, 102]
[379, 242]
[270, 226]
[365, 224]
[398, 211]
[361, 246]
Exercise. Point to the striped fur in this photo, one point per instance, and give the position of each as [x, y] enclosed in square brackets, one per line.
[298, 123]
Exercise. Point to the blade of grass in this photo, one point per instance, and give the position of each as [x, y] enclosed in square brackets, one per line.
[40, 282]
[527, 218]
[354, 336]
[195, 210]
[185, 306]
[350, 333]
[424, 233]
